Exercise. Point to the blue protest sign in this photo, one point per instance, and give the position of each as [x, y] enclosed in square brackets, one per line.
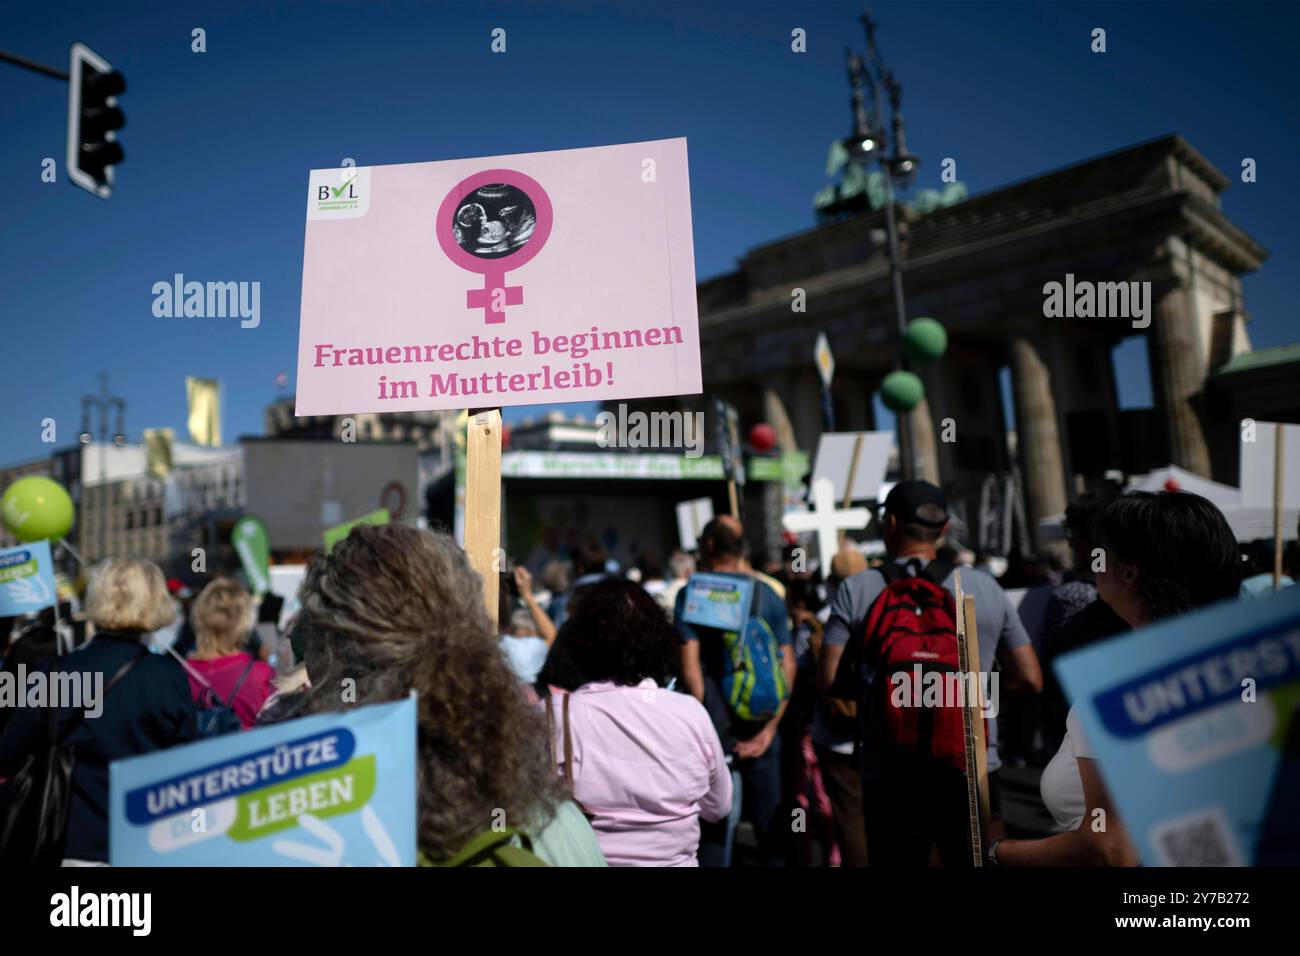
[718, 600]
[26, 579]
[329, 790]
[1194, 724]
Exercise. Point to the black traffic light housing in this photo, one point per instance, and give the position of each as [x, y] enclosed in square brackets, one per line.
[93, 119]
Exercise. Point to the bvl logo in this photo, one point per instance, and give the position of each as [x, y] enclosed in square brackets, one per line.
[339, 193]
[328, 192]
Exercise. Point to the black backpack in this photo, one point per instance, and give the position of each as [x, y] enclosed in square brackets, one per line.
[34, 802]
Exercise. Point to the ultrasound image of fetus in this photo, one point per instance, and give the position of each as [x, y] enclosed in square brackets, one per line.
[494, 221]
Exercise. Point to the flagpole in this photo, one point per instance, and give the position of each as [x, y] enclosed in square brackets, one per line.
[1278, 443]
[58, 632]
[72, 551]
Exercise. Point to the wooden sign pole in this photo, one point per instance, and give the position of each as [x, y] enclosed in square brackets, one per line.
[483, 502]
[981, 745]
[977, 768]
[731, 494]
[853, 476]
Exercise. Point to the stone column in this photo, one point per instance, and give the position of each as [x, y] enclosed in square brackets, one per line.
[772, 494]
[1177, 377]
[853, 408]
[1038, 440]
[866, 389]
[774, 414]
[804, 403]
[1083, 382]
[925, 452]
[964, 387]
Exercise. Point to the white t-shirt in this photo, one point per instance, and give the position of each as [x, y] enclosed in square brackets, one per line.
[667, 598]
[1061, 786]
[526, 656]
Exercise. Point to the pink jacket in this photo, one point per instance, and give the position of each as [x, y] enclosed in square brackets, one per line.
[647, 764]
[223, 673]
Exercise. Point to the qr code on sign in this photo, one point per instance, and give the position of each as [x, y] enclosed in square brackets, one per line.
[1202, 838]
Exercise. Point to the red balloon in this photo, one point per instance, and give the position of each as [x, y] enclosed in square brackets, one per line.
[505, 436]
[762, 437]
[1171, 484]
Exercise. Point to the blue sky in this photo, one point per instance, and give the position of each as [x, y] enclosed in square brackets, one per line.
[219, 144]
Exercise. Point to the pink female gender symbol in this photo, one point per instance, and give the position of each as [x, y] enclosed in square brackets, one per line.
[494, 270]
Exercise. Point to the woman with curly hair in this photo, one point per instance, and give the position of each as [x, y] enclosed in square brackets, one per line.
[1165, 554]
[643, 762]
[395, 610]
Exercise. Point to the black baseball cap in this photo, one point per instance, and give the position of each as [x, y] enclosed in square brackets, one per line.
[907, 500]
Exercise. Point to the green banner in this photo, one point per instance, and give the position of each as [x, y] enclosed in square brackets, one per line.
[789, 467]
[250, 542]
[564, 464]
[337, 533]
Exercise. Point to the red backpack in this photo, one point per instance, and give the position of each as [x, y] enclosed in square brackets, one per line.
[913, 623]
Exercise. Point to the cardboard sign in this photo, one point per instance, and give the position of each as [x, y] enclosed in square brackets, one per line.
[835, 460]
[330, 790]
[26, 579]
[565, 276]
[285, 580]
[692, 516]
[1256, 468]
[1194, 722]
[718, 600]
[826, 521]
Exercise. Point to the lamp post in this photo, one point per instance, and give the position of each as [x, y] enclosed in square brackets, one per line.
[104, 403]
[869, 143]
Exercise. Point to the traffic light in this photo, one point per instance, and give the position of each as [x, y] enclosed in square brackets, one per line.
[93, 116]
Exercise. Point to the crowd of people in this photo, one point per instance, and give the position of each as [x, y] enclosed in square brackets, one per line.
[600, 716]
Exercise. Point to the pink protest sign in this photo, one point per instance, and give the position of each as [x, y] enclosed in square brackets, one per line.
[565, 276]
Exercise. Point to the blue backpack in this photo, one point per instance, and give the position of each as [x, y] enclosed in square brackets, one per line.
[754, 685]
[215, 717]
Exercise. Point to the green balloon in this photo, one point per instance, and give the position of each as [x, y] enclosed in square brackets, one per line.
[36, 508]
[901, 391]
[925, 340]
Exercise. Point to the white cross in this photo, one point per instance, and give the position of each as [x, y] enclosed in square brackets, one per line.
[826, 521]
